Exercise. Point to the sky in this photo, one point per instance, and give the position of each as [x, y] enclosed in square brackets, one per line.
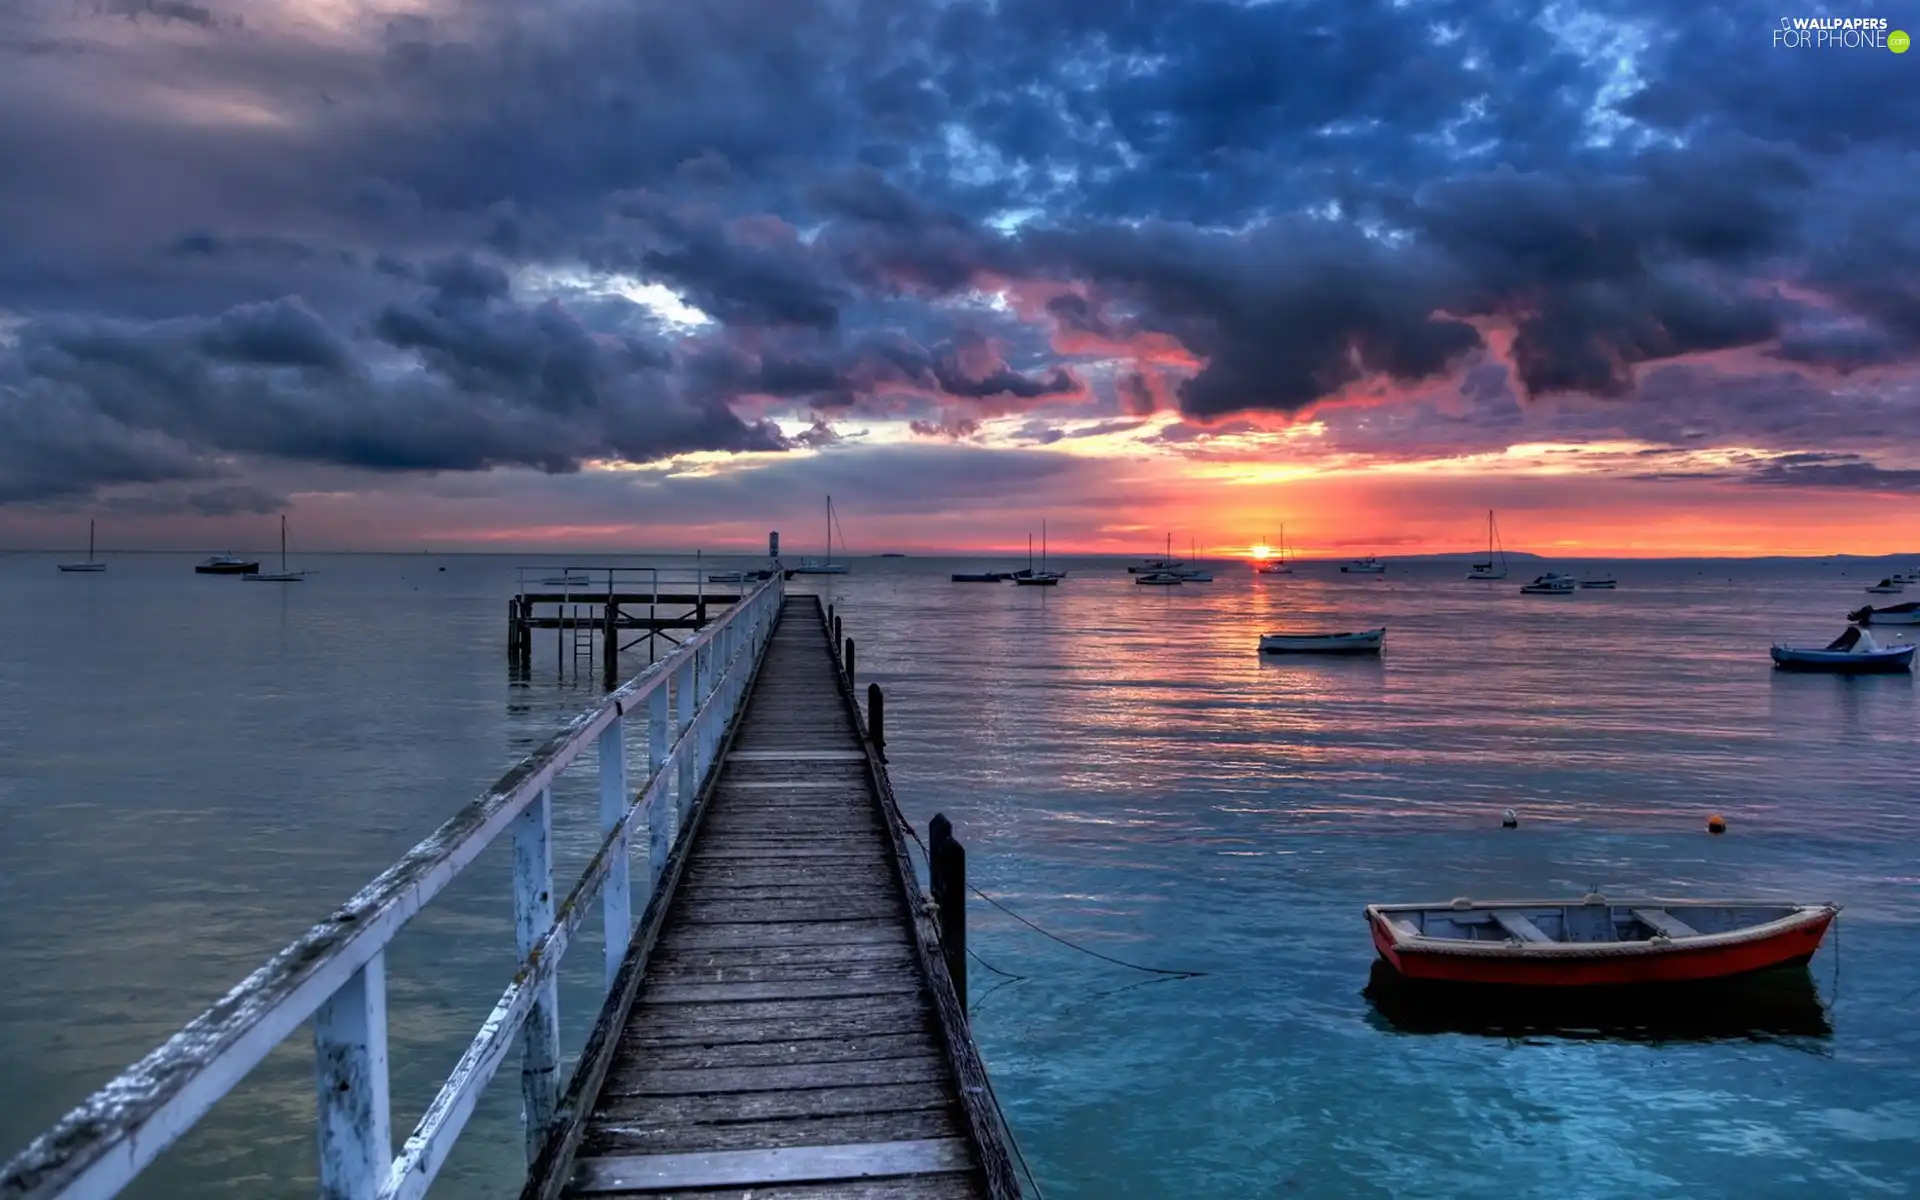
[636, 274]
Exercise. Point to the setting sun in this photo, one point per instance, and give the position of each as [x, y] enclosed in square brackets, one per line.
[1262, 551]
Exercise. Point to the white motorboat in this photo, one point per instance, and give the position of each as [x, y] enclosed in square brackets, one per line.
[91, 565]
[1364, 642]
[1159, 579]
[1364, 566]
[1599, 581]
[824, 566]
[1496, 565]
[1852, 653]
[1897, 614]
[1890, 586]
[1551, 584]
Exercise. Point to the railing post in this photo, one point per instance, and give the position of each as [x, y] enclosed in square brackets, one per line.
[837, 635]
[947, 873]
[850, 676]
[660, 825]
[350, 1083]
[616, 895]
[877, 719]
[683, 717]
[703, 668]
[532, 917]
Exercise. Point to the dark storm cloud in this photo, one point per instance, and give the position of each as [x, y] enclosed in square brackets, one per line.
[467, 381]
[1809, 469]
[1305, 198]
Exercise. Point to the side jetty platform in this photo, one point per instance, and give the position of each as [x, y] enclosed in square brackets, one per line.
[785, 1017]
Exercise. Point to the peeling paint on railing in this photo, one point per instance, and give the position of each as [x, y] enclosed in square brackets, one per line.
[99, 1147]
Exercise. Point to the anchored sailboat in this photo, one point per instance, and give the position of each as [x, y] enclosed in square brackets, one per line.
[1275, 566]
[825, 566]
[1042, 577]
[1490, 569]
[282, 575]
[90, 564]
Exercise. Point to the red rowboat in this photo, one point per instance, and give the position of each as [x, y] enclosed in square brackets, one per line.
[1593, 941]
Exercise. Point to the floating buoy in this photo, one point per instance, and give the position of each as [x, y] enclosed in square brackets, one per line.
[1508, 820]
[1716, 824]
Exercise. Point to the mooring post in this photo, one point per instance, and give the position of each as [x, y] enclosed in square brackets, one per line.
[834, 623]
[877, 719]
[513, 629]
[849, 660]
[838, 636]
[947, 873]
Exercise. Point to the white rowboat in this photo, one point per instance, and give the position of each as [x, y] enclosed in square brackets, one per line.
[1365, 642]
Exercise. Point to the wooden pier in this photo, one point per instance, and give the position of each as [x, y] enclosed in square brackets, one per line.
[796, 1027]
[786, 1018]
[592, 610]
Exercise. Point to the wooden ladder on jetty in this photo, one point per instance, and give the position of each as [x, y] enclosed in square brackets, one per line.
[782, 1019]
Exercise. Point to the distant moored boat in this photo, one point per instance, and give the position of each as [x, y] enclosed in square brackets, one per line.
[226, 564]
[1364, 566]
[90, 565]
[1365, 642]
[1852, 653]
[1896, 614]
[1888, 587]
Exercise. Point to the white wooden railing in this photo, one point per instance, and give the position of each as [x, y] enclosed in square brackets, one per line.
[336, 973]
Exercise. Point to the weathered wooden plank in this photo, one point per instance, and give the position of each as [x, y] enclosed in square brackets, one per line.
[729, 784]
[715, 852]
[922, 1187]
[638, 1057]
[901, 982]
[690, 1025]
[784, 1164]
[814, 908]
[753, 892]
[797, 754]
[796, 1131]
[768, 1106]
[767, 957]
[926, 1066]
[773, 933]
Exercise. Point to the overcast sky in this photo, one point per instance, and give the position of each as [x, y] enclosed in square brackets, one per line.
[634, 274]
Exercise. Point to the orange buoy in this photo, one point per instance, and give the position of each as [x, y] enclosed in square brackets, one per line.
[1716, 824]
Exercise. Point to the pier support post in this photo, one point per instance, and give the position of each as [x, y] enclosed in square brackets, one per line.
[610, 644]
[838, 636]
[513, 630]
[877, 719]
[947, 873]
[849, 660]
[350, 1080]
[532, 917]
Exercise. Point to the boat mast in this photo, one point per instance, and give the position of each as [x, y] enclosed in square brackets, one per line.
[829, 529]
[283, 543]
[1043, 545]
[89, 541]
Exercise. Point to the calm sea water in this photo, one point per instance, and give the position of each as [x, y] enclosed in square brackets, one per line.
[193, 770]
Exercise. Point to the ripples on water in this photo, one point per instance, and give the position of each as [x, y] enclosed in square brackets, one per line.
[192, 771]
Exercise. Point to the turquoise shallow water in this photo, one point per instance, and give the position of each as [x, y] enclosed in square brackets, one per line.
[193, 770]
